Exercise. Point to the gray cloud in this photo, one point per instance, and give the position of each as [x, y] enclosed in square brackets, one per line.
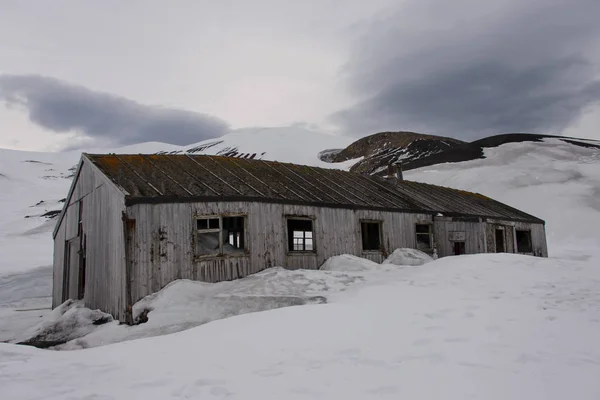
[61, 107]
[469, 68]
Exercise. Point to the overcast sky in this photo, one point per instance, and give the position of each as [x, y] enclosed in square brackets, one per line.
[79, 73]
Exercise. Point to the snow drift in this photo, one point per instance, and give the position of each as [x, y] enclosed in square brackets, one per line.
[411, 257]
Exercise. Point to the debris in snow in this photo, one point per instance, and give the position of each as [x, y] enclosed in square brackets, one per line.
[70, 320]
[37, 162]
[51, 214]
[408, 257]
[48, 214]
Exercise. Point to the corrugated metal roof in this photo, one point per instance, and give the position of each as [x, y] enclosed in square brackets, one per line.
[176, 178]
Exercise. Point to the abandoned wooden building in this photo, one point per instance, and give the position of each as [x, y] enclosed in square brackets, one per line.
[133, 223]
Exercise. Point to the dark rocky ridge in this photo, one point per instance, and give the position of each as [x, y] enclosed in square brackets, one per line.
[382, 149]
[414, 150]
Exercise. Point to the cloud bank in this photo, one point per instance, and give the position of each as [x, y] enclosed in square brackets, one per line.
[62, 107]
[469, 68]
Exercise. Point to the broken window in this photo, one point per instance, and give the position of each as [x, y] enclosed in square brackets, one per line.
[524, 242]
[220, 235]
[207, 239]
[300, 234]
[233, 234]
[423, 234]
[371, 235]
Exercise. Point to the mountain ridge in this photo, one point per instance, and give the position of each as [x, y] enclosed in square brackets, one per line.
[415, 150]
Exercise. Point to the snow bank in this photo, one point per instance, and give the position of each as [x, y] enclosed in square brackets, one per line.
[408, 257]
[348, 263]
[185, 304]
[66, 322]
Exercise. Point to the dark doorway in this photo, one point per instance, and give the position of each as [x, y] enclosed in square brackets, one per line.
[459, 248]
[500, 241]
[524, 242]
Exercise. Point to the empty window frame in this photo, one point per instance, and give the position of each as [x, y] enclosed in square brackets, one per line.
[424, 237]
[300, 233]
[218, 235]
[371, 235]
[233, 230]
[524, 241]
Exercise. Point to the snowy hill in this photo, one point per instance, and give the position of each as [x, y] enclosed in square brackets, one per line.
[484, 326]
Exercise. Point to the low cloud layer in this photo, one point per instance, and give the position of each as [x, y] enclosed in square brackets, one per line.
[469, 68]
[61, 107]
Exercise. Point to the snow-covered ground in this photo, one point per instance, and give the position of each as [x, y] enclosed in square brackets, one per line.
[483, 326]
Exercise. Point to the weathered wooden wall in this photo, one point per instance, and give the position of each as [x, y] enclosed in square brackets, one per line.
[164, 245]
[474, 236]
[538, 236]
[103, 206]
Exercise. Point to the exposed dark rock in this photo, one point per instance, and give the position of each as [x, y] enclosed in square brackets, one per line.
[414, 150]
[51, 214]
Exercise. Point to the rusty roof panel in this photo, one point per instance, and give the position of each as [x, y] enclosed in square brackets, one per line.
[179, 178]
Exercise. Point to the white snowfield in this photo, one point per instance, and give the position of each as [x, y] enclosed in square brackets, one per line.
[484, 327]
[494, 326]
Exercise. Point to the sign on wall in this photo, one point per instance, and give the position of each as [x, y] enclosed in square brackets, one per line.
[457, 236]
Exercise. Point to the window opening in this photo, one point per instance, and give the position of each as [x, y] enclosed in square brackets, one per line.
[300, 235]
[423, 233]
[524, 242]
[220, 235]
[233, 234]
[371, 235]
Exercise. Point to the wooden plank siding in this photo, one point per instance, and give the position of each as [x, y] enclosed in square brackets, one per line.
[165, 240]
[102, 225]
